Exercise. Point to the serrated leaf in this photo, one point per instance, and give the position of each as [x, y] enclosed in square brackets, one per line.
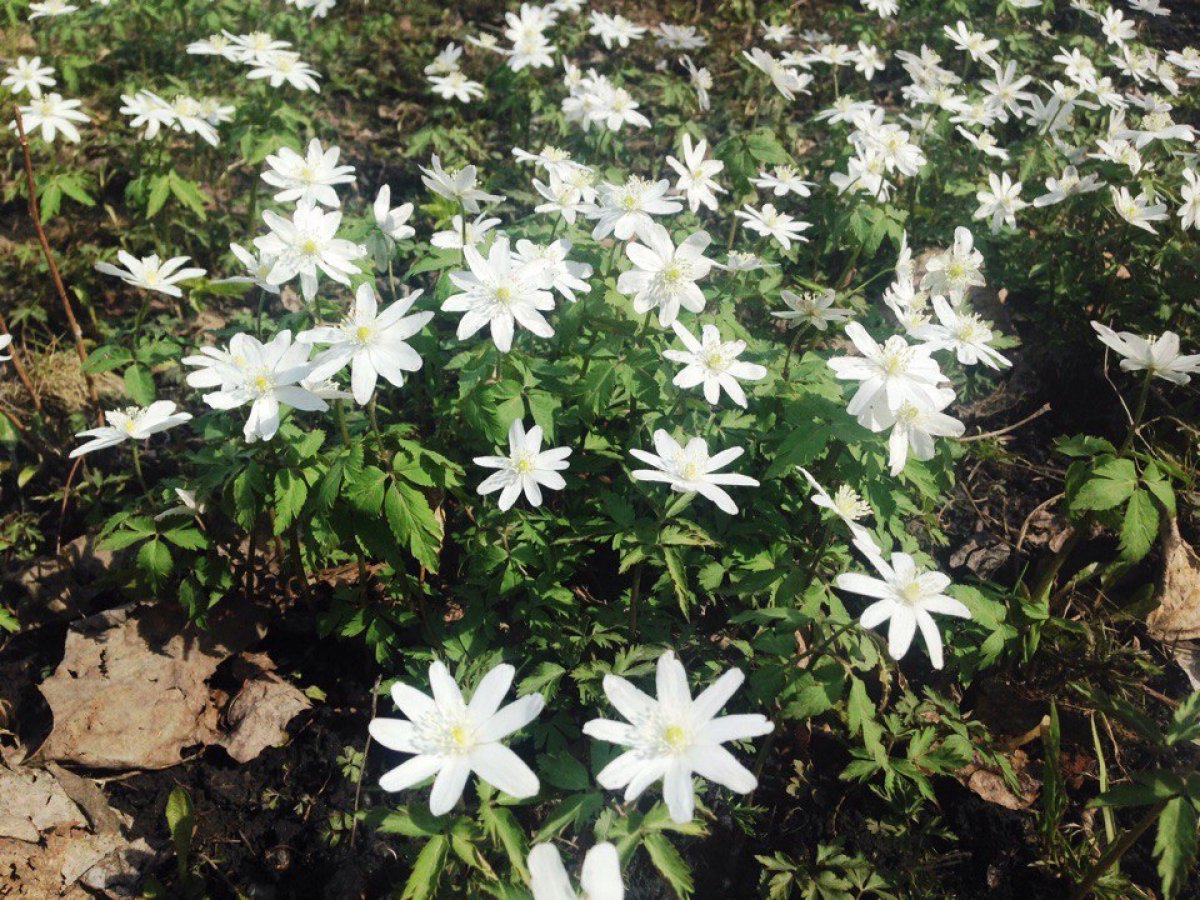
[1175, 845]
[668, 862]
[139, 385]
[1109, 484]
[1139, 527]
[427, 869]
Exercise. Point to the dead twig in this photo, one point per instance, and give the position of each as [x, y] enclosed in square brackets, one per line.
[19, 366]
[36, 215]
[1007, 428]
[363, 766]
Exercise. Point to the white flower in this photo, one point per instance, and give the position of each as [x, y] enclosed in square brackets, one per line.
[566, 275]
[1189, 196]
[456, 86]
[52, 114]
[188, 506]
[615, 30]
[28, 75]
[1067, 185]
[307, 244]
[701, 81]
[5, 343]
[281, 67]
[846, 504]
[891, 374]
[1138, 211]
[713, 363]
[500, 291]
[737, 261]
[788, 82]
[626, 208]
[1157, 355]
[696, 175]
[907, 596]
[392, 222]
[148, 109]
[976, 45]
[964, 333]
[50, 8]
[257, 269]
[526, 469]
[451, 738]
[132, 424]
[263, 375]
[374, 344]
[674, 736]
[690, 468]
[914, 426]
[814, 307]
[772, 223]
[151, 273]
[599, 880]
[679, 37]
[460, 235]
[1001, 202]
[782, 180]
[446, 61]
[309, 178]
[954, 271]
[459, 185]
[665, 275]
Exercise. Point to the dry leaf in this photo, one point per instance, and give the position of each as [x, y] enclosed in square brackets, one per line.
[32, 801]
[1177, 617]
[258, 715]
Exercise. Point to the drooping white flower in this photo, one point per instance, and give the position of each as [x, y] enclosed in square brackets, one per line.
[786, 80]
[690, 468]
[451, 738]
[845, 503]
[151, 273]
[262, 375]
[459, 185]
[665, 276]
[1159, 355]
[1138, 211]
[673, 737]
[373, 344]
[309, 178]
[500, 292]
[308, 244]
[696, 175]
[906, 595]
[134, 423]
[1189, 197]
[913, 428]
[5, 343]
[770, 222]
[527, 468]
[713, 363]
[460, 234]
[599, 880]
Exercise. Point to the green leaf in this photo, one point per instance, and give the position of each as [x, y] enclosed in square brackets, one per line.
[291, 492]
[187, 538]
[181, 822]
[1140, 526]
[668, 861]
[413, 523]
[427, 869]
[139, 385]
[1185, 722]
[154, 558]
[160, 189]
[1109, 484]
[502, 825]
[365, 489]
[1158, 485]
[188, 193]
[1175, 845]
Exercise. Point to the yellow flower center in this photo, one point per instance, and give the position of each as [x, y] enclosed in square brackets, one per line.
[362, 333]
[308, 247]
[674, 737]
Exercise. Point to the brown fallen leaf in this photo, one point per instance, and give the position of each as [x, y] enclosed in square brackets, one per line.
[259, 713]
[1177, 616]
[32, 801]
[990, 785]
[63, 586]
[131, 691]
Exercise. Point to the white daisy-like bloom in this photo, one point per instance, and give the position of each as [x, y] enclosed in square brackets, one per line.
[599, 880]
[5, 343]
[500, 291]
[309, 178]
[257, 269]
[956, 270]
[664, 275]
[786, 80]
[134, 423]
[29, 76]
[1138, 211]
[985, 142]
[50, 8]
[615, 29]
[679, 37]
[261, 375]
[372, 343]
[627, 208]
[913, 428]
[459, 185]
[456, 86]
[964, 333]
[889, 375]
[1159, 356]
[283, 67]
[222, 45]
[562, 197]
[1000, 202]
[51, 115]
[777, 34]
[1067, 185]
[448, 60]
[713, 363]
[146, 108]
[978, 46]
[306, 245]
[393, 222]
[782, 180]
[739, 261]
[1189, 196]
[770, 222]
[696, 175]
[812, 307]
[674, 736]
[845, 502]
[701, 81]
[905, 596]
[463, 234]
[527, 468]
[151, 273]
[257, 46]
[450, 738]
[690, 469]
[566, 275]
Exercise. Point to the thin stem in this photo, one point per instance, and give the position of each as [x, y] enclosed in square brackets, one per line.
[19, 366]
[36, 215]
[137, 469]
[635, 592]
[1117, 850]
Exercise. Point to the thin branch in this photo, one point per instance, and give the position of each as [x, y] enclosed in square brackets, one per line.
[1007, 428]
[19, 366]
[36, 215]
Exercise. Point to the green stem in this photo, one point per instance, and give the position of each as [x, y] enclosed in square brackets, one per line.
[1115, 851]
